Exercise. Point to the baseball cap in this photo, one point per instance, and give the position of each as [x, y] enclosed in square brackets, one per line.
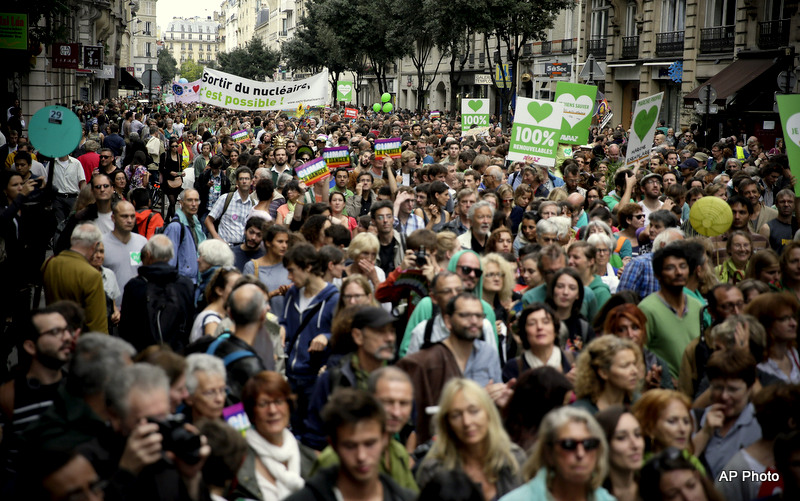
[372, 316]
[689, 163]
[701, 157]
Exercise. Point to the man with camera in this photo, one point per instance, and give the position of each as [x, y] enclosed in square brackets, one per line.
[162, 457]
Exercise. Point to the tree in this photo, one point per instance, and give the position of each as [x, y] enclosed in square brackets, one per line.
[513, 23]
[167, 66]
[191, 71]
[254, 61]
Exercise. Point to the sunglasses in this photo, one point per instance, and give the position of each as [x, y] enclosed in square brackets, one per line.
[101, 186]
[569, 444]
[466, 270]
[105, 156]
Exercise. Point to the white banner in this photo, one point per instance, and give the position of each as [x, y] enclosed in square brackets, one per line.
[643, 128]
[186, 92]
[236, 93]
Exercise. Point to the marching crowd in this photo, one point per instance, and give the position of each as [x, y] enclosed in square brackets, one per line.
[186, 318]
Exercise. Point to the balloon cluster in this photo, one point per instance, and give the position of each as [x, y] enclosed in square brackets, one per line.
[387, 106]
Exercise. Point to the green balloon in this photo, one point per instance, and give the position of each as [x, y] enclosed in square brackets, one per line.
[386, 97]
[387, 108]
[376, 107]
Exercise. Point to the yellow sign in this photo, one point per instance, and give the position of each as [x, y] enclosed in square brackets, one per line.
[502, 76]
[14, 31]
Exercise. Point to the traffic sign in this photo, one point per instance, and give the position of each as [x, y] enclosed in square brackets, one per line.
[708, 94]
[591, 70]
[701, 108]
[55, 131]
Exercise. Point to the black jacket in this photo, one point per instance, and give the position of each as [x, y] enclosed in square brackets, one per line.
[89, 213]
[201, 185]
[135, 325]
[320, 488]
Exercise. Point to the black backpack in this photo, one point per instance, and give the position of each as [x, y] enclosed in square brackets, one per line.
[165, 315]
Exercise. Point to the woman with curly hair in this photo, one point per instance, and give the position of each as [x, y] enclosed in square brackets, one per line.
[607, 373]
[471, 438]
[500, 240]
[628, 322]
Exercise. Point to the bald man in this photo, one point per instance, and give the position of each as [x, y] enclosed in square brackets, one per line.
[123, 248]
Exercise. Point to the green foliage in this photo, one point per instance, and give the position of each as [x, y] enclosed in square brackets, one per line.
[167, 66]
[254, 61]
[191, 71]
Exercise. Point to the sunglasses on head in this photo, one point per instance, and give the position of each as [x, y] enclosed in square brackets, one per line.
[569, 444]
[466, 270]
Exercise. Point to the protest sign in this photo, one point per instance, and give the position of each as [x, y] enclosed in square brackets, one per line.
[789, 109]
[350, 113]
[435, 115]
[643, 128]
[229, 91]
[474, 113]
[337, 157]
[578, 101]
[534, 136]
[344, 91]
[388, 148]
[236, 417]
[186, 92]
[240, 136]
[312, 171]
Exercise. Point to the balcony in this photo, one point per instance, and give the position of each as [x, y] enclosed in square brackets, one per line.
[567, 46]
[527, 50]
[773, 34]
[630, 47]
[547, 47]
[597, 47]
[282, 33]
[717, 39]
[471, 59]
[669, 44]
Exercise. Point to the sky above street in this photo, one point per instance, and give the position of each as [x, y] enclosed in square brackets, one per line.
[165, 11]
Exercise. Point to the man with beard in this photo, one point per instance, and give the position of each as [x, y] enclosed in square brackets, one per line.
[780, 230]
[460, 223]
[251, 247]
[750, 189]
[49, 342]
[281, 163]
[462, 354]
[374, 339]
[480, 218]
[651, 186]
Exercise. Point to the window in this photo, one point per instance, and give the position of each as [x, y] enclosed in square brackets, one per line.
[599, 19]
[183, 45]
[630, 20]
[720, 13]
[147, 49]
[775, 10]
[147, 28]
[209, 46]
[190, 36]
[190, 45]
[673, 15]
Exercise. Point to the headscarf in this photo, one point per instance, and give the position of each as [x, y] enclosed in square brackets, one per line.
[451, 266]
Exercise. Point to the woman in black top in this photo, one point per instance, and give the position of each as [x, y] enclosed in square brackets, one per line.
[171, 177]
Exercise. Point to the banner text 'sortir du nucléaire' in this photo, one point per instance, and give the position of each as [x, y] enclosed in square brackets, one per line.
[236, 93]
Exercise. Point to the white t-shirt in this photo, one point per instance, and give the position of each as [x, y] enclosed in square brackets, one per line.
[105, 222]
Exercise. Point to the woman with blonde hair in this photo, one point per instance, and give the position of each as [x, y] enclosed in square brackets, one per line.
[666, 421]
[446, 246]
[498, 287]
[471, 438]
[363, 250]
[569, 461]
[506, 195]
[607, 373]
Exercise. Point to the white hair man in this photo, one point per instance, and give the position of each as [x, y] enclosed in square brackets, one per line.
[205, 382]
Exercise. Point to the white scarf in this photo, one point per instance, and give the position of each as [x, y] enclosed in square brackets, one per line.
[283, 462]
[534, 361]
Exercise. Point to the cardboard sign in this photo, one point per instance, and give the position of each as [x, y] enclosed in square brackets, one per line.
[14, 31]
[337, 157]
[535, 133]
[643, 128]
[344, 91]
[240, 136]
[474, 113]
[229, 91]
[312, 171]
[350, 113]
[789, 109]
[388, 148]
[578, 101]
[66, 55]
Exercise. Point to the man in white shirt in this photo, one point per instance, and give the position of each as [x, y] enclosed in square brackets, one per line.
[68, 179]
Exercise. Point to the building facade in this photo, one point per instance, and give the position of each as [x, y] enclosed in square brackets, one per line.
[144, 38]
[193, 39]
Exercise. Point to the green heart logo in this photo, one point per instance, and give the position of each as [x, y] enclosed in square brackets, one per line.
[475, 105]
[644, 120]
[540, 111]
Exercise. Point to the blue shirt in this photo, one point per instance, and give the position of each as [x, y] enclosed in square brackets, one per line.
[638, 276]
[744, 432]
[483, 364]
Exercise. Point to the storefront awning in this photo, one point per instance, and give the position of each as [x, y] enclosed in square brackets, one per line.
[127, 81]
[732, 79]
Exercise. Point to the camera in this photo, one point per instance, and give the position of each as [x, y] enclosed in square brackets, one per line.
[177, 439]
[420, 256]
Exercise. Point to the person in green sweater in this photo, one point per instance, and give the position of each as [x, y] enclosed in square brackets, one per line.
[467, 265]
[673, 317]
[392, 388]
[582, 257]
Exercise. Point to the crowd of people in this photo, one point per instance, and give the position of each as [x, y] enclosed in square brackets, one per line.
[186, 318]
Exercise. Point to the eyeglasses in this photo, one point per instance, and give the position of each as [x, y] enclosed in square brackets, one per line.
[731, 306]
[305, 159]
[263, 404]
[508, 200]
[639, 216]
[105, 156]
[602, 250]
[467, 270]
[213, 393]
[494, 274]
[57, 331]
[571, 445]
[101, 186]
